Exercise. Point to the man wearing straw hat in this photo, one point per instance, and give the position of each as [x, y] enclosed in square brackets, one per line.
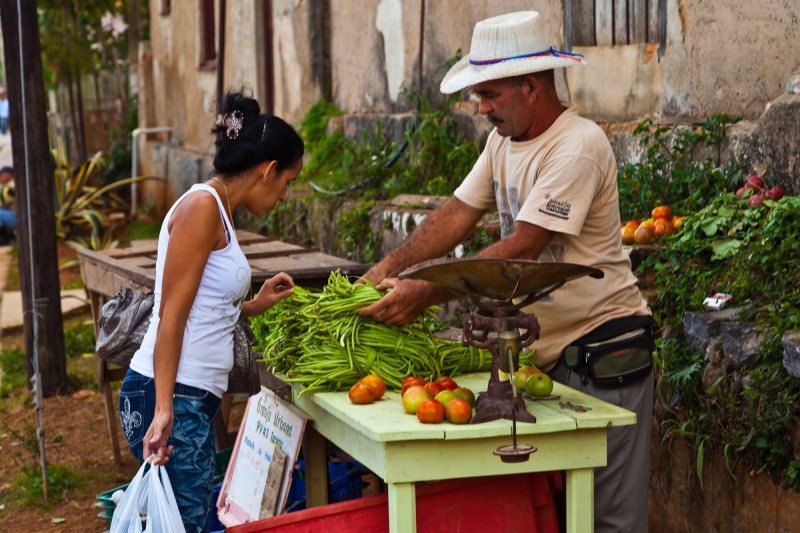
[552, 176]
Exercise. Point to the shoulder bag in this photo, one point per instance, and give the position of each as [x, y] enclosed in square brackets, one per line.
[124, 320]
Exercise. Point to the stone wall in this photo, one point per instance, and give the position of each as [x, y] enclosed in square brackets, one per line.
[680, 500]
[730, 57]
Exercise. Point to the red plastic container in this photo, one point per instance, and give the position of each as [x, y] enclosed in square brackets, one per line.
[521, 502]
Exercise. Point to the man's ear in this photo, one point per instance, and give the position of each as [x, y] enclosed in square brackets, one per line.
[530, 83]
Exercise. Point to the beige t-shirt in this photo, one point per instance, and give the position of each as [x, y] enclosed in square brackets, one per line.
[564, 180]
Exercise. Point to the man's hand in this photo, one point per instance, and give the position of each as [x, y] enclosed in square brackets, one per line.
[374, 275]
[404, 302]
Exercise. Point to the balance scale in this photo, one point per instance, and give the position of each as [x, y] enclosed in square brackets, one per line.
[497, 290]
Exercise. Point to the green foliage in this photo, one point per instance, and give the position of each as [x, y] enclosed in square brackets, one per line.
[79, 339]
[355, 239]
[314, 124]
[13, 372]
[61, 481]
[140, 229]
[680, 168]
[120, 149]
[28, 485]
[83, 201]
[431, 158]
[84, 35]
[754, 255]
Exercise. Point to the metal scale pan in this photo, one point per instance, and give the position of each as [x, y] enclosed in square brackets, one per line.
[499, 289]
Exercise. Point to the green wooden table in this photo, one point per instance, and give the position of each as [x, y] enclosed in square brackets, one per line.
[401, 450]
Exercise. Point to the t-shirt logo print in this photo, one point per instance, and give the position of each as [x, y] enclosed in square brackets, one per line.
[556, 208]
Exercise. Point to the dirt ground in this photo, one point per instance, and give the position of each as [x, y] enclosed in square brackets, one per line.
[76, 437]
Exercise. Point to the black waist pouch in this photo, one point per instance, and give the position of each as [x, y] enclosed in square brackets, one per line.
[614, 354]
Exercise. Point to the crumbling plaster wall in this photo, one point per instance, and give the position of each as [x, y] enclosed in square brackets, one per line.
[728, 56]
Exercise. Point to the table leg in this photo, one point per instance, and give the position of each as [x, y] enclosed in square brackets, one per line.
[402, 508]
[580, 500]
[316, 466]
[221, 423]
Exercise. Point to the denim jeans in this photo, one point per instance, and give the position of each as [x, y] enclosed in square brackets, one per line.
[191, 463]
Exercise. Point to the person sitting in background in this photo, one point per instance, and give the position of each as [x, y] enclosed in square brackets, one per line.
[3, 111]
[8, 220]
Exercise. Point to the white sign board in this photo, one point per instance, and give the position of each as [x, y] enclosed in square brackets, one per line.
[268, 423]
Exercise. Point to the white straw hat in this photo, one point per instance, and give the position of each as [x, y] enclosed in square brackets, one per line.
[505, 46]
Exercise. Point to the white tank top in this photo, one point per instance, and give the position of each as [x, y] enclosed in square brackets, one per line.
[207, 351]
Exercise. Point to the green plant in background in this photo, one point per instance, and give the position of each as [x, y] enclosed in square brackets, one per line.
[682, 168]
[431, 158]
[28, 485]
[13, 372]
[79, 339]
[84, 202]
[355, 239]
[438, 157]
[754, 255]
[120, 150]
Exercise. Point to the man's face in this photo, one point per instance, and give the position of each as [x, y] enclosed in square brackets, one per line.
[508, 104]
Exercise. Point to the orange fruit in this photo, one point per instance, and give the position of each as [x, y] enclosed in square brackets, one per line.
[643, 235]
[662, 211]
[375, 383]
[360, 394]
[662, 227]
[633, 223]
[677, 222]
[627, 234]
[650, 223]
[458, 411]
[430, 412]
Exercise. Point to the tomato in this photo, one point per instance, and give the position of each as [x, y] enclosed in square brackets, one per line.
[539, 385]
[414, 397]
[411, 378]
[434, 388]
[445, 397]
[662, 211]
[633, 223]
[627, 234]
[430, 412]
[465, 394]
[416, 382]
[522, 375]
[458, 411]
[360, 394]
[663, 227]
[447, 382]
[643, 234]
[375, 383]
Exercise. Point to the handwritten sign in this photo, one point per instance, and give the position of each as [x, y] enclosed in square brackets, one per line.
[269, 424]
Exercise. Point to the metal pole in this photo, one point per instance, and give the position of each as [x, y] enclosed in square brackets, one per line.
[135, 159]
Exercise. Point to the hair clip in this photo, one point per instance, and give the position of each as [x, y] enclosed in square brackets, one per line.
[264, 129]
[233, 121]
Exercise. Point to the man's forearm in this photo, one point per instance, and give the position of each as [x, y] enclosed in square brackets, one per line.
[440, 232]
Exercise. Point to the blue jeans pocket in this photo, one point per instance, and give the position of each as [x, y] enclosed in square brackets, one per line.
[136, 403]
[132, 409]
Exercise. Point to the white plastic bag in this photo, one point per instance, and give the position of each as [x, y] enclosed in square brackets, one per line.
[149, 500]
[162, 509]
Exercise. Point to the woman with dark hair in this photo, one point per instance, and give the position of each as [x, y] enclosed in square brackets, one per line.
[176, 379]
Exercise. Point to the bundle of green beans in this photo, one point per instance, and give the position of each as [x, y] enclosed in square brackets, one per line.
[318, 339]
